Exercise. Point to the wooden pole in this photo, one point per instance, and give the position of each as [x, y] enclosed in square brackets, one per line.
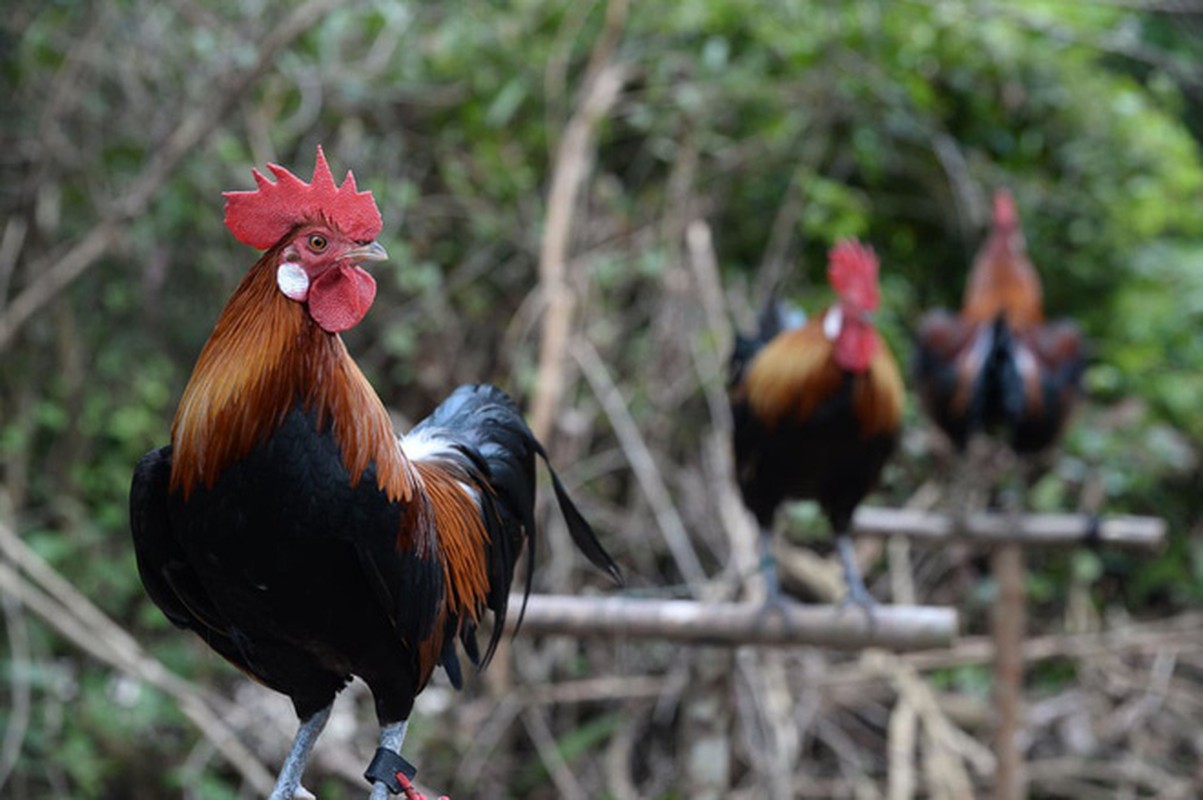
[734, 624]
[1010, 614]
[1030, 530]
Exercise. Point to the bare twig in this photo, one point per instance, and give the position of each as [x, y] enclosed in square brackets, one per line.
[705, 727]
[904, 725]
[892, 627]
[771, 713]
[18, 717]
[566, 783]
[591, 690]
[642, 463]
[11, 243]
[57, 272]
[574, 156]
[947, 746]
[1127, 770]
[741, 530]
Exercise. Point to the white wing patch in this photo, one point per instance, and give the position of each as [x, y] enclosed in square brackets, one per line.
[428, 443]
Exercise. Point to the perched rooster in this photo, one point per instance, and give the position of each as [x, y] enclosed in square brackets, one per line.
[290, 528]
[817, 410]
[998, 366]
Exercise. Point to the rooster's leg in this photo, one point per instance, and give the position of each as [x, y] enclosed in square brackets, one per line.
[392, 736]
[768, 569]
[857, 593]
[288, 785]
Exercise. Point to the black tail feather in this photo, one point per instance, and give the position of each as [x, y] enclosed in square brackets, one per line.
[488, 430]
[579, 528]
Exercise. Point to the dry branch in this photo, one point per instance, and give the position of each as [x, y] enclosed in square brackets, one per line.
[573, 160]
[711, 366]
[732, 624]
[1029, 530]
[643, 464]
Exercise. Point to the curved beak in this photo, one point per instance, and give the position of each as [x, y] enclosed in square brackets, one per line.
[368, 252]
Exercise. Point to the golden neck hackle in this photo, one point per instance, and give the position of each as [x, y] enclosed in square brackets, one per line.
[265, 355]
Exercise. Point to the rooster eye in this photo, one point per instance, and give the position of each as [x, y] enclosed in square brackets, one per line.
[317, 242]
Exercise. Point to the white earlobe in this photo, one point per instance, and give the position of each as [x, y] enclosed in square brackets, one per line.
[833, 320]
[293, 281]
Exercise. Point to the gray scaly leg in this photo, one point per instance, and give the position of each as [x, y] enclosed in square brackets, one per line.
[768, 569]
[288, 785]
[857, 593]
[392, 736]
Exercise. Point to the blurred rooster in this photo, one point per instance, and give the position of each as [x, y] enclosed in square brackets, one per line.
[290, 528]
[817, 410]
[998, 366]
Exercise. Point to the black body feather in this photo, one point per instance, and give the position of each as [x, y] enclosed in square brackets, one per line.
[296, 577]
[824, 457]
[971, 380]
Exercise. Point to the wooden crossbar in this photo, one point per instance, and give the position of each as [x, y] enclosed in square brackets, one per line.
[1029, 530]
[734, 624]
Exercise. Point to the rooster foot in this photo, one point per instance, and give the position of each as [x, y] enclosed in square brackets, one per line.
[859, 596]
[411, 792]
[776, 604]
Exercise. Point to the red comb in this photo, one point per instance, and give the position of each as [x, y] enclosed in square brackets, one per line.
[262, 217]
[1005, 215]
[852, 271]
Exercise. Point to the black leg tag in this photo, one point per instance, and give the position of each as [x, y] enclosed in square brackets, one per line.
[384, 768]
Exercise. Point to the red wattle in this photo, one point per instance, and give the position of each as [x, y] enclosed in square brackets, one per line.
[855, 346]
[340, 297]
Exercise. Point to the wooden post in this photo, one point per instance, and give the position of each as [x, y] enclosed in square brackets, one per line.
[1010, 615]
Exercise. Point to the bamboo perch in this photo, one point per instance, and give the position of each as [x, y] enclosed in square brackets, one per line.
[732, 624]
[1029, 530]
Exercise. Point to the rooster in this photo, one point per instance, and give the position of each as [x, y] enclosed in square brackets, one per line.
[291, 529]
[998, 366]
[817, 410]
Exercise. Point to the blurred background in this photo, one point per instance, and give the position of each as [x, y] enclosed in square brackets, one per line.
[776, 128]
